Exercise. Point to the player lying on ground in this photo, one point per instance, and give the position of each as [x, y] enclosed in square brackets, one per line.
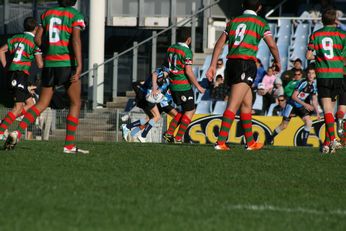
[153, 97]
[302, 103]
[23, 51]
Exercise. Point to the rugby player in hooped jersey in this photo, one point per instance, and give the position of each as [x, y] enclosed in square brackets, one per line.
[243, 34]
[328, 43]
[60, 31]
[23, 51]
[181, 77]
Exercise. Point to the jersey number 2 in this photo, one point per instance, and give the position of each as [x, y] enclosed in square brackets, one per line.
[54, 32]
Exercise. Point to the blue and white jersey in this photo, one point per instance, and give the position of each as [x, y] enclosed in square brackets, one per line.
[162, 84]
[305, 92]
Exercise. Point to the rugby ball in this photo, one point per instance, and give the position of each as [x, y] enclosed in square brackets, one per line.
[154, 98]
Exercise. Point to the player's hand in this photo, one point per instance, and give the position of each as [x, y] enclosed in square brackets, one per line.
[31, 89]
[318, 116]
[155, 92]
[75, 77]
[210, 73]
[201, 90]
[309, 107]
[276, 67]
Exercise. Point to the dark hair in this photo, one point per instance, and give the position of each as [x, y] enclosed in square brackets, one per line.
[329, 16]
[283, 96]
[66, 3]
[298, 60]
[218, 77]
[183, 34]
[29, 24]
[299, 70]
[310, 68]
[251, 4]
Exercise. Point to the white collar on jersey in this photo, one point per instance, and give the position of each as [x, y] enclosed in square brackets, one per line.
[250, 12]
[29, 33]
[184, 45]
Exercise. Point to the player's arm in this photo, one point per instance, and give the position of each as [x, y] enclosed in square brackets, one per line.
[39, 61]
[3, 51]
[301, 102]
[77, 49]
[154, 87]
[193, 79]
[274, 51]
[38, 36]
[315, 104]
[216, 53]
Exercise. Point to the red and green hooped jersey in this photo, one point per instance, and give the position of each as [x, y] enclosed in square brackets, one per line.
[58, 24]
[23, 48]
[179, 55]
[244, 34]
[329, 44]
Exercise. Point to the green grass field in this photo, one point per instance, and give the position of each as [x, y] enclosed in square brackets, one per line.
[170, 187]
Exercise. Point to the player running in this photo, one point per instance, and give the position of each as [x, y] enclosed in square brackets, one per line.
[60, 30]
[340, 114]
[23, 51]
[181, 76]
[328, 43]
[154, 89]
[302, 103]
[243, 34]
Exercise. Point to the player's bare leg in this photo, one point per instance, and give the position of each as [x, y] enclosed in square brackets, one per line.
[156, 113]
[72, 120]
[246, 122]
[341, 125]
[236, 98]
[30, 117]
[306, 132]
[328, 109]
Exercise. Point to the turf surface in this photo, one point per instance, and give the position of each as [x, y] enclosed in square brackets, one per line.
[170, 187]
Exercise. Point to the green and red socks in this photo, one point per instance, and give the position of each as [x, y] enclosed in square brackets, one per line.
[174, 124]
[246, 123]
[71, 128]
[226, 124]
[6, 122]
[29, 118]
[329, 121]
[340, 116]
[184, 123]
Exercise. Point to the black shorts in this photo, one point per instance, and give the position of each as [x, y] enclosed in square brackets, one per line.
[185, 99]
[19, 86]
[342, 96]
[330, 88]
[240, 71]
[57, 76]
[291, 110]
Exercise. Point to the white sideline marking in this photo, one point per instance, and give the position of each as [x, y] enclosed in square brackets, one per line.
[287, 210]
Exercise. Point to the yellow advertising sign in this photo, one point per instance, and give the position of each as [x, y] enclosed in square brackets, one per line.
[205, 129]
